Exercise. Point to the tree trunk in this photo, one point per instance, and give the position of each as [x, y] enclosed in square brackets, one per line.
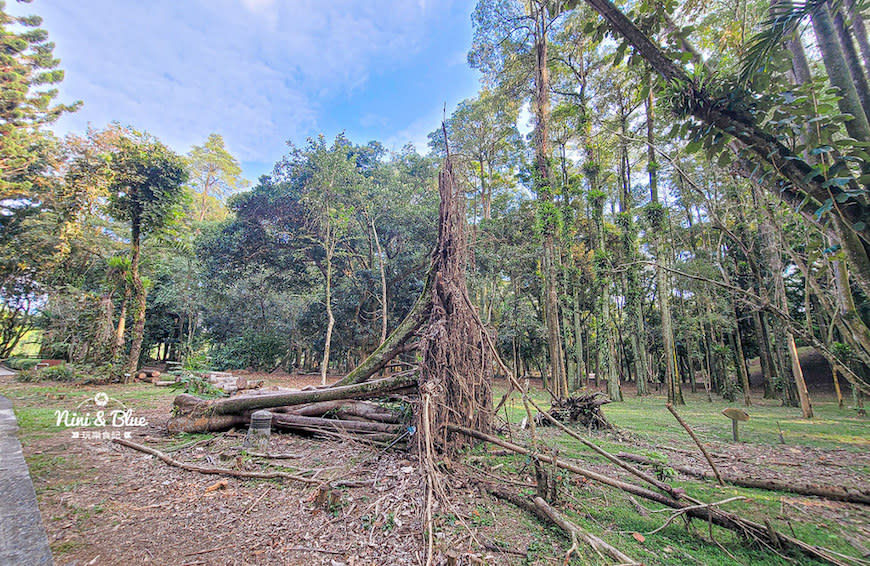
[456, 369]
[330, 319]
[122, 322]
[544, 189]
[850, 54]
[580, 380]
[839, 76]
[384, 309]
[139, 304]
[740, 361]
[859, 30]
[633, 296]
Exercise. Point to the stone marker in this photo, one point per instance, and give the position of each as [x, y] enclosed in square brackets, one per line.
[736, 416]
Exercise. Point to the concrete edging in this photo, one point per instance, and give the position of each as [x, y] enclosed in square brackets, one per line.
[23, 541]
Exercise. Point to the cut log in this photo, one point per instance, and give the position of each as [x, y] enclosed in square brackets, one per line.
[229, 383]
[147, 374]
[235, 405]
[297, 422]
[346, 410]
[835, 492]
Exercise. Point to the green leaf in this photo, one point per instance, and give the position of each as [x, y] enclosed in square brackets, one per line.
[821, 149]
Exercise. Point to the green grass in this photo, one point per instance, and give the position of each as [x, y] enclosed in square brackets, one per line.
[647, 418]
[35, 404]
[610, 514]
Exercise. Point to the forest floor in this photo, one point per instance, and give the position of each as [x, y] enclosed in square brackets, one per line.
[106, 504]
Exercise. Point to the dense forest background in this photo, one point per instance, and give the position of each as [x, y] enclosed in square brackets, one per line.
[656, 194]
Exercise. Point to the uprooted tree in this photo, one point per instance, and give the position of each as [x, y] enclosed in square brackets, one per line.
[452, 396]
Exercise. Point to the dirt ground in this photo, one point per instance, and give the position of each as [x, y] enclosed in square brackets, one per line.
[103, 503]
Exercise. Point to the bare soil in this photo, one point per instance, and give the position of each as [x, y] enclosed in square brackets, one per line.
[107, 504]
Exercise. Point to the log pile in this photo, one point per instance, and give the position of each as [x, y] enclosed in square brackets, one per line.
[145, 374]
[331, 411]
[229, 383]
[582, 408]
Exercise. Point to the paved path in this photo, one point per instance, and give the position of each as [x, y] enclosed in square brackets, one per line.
[22, 537]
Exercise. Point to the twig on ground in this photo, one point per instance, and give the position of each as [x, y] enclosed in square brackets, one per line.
[274, 456]
[206, 551]
[684, 510]
[312, 549]
[215, 471]
[254, 504]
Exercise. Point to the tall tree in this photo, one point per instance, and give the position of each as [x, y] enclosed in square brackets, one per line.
[214, 173]
[32, 203]
[325, 176]
[145, 192]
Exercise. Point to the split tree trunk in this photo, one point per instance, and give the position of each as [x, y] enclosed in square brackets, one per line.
[456, 368]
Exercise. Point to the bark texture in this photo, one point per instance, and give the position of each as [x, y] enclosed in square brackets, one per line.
[456, 369]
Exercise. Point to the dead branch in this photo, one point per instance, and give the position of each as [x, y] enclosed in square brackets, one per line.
[546, 512]
[697, 441]
[683, 511]
[214, 471]
[834, 492]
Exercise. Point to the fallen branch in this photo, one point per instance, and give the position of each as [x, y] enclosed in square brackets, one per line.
[730, 521]
[214, 471]
[684, 510]
[215, 549]
[546, 512]
[834, 492]
[193, 414]
[697, 441]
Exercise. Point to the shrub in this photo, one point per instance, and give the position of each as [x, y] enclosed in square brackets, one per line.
[21, 363]
[258, 350]
[62, 372]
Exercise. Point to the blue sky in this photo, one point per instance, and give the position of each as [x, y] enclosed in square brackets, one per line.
[261, 72]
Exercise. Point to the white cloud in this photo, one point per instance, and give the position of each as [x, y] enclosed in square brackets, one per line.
[256, 71]
[417, 133]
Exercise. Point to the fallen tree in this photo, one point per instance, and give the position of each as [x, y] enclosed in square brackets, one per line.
[192, 414]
